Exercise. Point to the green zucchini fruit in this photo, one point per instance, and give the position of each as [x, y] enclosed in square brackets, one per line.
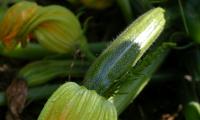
[133, 82]
[125, 51]
[192, 111]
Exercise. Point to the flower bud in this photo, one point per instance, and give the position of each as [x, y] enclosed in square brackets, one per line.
[13, 21]
[74, 102]
[56, 28]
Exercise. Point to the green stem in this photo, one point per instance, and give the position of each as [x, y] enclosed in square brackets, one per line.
[31, 51]
[183, 17]
[84, 47]
[34, 51]
[125, 7]
[37, 93]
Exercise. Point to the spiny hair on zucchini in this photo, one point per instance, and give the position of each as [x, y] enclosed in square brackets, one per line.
[153, 54]
[143, 63]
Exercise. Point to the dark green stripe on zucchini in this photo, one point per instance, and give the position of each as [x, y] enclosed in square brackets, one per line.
[125, 51]
[132, 83]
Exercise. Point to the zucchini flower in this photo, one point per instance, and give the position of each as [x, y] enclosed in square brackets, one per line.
[74, 102]
[56, 28]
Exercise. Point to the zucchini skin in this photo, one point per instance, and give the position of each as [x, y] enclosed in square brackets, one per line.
[125, 51]
[135, 80]
[192, 111]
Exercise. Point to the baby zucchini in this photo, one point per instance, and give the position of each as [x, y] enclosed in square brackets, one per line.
[125, 51]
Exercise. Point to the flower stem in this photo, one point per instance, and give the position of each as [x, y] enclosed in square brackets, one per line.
[34, 51]
[126, 9]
